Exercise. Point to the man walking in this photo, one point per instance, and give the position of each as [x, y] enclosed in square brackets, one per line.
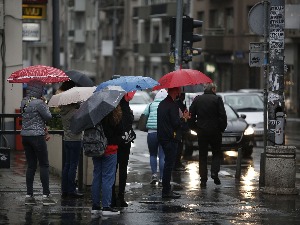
[169, 126]
[208, 117]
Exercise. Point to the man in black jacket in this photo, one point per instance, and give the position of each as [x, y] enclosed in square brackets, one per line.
[169, 126]
[208, 117]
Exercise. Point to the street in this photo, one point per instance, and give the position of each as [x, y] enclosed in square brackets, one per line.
[233, 202]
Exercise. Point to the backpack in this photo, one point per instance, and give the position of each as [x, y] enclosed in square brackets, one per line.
[94, 141]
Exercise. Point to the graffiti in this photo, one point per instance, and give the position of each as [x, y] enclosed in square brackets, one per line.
[272, 97]
[274, 122]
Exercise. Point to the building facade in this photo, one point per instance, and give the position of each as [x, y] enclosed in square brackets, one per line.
[109, 37]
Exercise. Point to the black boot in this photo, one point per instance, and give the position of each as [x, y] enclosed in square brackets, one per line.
[121, 201]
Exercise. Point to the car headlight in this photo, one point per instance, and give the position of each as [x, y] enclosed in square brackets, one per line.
[249, 131]
[193, 132]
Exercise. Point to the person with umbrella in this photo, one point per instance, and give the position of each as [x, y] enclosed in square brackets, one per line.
[34, 114]
[169, 126]
[124, 151]
[105, 166]
[72, 146]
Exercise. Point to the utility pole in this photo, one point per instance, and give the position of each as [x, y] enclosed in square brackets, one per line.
[55, 30]
[276, 107]
[178, 36]
[114, 38]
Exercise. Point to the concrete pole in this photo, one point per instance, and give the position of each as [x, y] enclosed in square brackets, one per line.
[55, 30]
[114, 39]
[280, 160]
[178, 38]
[276, 108]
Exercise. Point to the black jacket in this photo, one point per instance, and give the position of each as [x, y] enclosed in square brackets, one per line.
[127, 115]
[169, 124]
[208, 113]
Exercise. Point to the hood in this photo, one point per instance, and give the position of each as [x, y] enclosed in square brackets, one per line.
[161, 94]
[35, 89]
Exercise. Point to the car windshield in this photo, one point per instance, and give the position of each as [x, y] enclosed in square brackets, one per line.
[244, 103]
[139, 99]
[231, 115]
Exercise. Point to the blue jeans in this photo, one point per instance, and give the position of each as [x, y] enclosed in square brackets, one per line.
[72, 154]
[154, 150]
[103, 178]
[170, 150]
[36, 150]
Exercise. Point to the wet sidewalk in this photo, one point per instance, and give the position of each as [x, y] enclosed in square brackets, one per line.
[233, 202]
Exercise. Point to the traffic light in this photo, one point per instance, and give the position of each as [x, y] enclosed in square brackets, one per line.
[188, 38]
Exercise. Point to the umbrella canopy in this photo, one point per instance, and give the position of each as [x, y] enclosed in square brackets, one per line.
[181, 78]
[80, 79]
[45, 74]
[130, 83]
[73, 95]
[95, 108]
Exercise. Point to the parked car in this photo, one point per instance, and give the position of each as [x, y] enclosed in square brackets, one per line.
[138, 103]
[260, 92]
[251, 105]
[238, 134]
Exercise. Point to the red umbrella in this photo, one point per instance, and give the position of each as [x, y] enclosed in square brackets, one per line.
[45, 74]
[183, 77]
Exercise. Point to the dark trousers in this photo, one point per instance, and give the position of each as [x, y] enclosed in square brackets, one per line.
[123, 157]
[36, 151]
[214, 140]
[72, 154]
[170, 150]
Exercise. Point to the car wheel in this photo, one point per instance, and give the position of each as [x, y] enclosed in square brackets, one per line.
[247, 152]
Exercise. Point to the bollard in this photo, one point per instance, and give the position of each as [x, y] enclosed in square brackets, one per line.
[238, 164]
[280, 170]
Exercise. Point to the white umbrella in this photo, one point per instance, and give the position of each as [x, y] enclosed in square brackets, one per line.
[73, 95]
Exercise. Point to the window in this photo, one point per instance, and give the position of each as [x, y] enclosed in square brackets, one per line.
[229, 21]
[216, 19]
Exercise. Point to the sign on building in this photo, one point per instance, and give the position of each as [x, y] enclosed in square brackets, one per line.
[34, 11]
[31, 32]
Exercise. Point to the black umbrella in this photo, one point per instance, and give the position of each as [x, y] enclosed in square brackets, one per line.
[96, 107]
[79, 78]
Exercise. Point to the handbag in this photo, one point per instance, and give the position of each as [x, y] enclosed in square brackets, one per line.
[143, 121]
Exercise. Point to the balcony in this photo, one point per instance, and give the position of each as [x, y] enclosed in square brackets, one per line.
[147, 49]
[292, 33]
[156, 10]
[79, 6]
[79, 36]
[88, 68]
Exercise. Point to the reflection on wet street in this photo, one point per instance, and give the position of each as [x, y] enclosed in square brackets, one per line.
[235, 201]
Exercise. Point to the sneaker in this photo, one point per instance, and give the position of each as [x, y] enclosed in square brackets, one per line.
[30, 200]
[154, 179]
[160, 183]
[108, 211]
[96, 211]
[48, 200]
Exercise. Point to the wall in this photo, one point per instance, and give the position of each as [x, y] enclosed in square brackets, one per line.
[12, 42]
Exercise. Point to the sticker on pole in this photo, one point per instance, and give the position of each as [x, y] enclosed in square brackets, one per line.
[256, 59]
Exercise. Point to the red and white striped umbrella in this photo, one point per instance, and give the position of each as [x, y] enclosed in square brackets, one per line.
[45, 74]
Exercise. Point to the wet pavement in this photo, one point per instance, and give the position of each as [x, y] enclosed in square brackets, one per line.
[233, 202]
